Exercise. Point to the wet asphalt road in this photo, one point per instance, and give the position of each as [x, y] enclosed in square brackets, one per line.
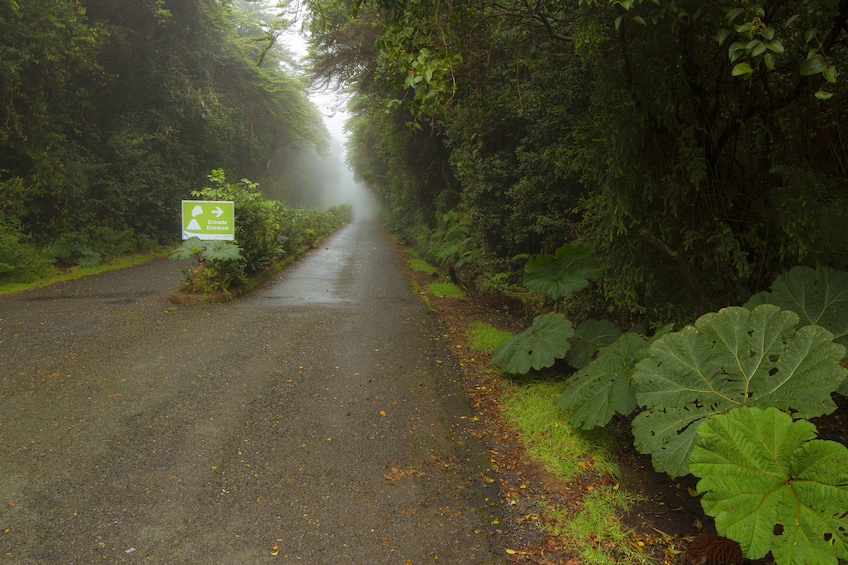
[318, 421]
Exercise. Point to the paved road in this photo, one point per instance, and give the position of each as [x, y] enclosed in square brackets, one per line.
[318, 421]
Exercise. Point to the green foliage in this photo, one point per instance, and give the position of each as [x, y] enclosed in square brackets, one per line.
[257, 222]
[570, 269]
[537, 347]
[605, 386]
[68, 253]
[732, 358]
[590, 336]
[484, 337]
[532, 409]
[200, 250]
[445, 289]
[111, 112]
[772, 487]
[422, 266]
[451, 240]
[265, 230]
[545, 341]
[218, 264]
[21, 261]
[819, 297]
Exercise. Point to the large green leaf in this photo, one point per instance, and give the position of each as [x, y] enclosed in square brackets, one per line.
[732, 358]
[602, 388]
[588, 338]
[562, 274]
[772, 487]
[819, 296]
[536, 347]
[218, 250]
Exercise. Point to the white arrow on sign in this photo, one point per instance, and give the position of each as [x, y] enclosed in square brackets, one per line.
[217, 211]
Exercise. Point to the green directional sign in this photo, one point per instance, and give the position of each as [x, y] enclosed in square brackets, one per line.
[209, 219]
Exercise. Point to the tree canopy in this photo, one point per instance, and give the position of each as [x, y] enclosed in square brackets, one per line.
[698, 148]
[113, 111]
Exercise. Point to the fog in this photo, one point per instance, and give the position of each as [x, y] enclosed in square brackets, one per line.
[303, 177]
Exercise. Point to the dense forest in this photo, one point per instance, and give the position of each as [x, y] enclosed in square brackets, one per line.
[699, 149]
[112, 111]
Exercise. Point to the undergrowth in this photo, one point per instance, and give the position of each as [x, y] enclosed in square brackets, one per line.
[594, 531]
[445, 289]
[531, 407]
[423, 266]
[484, 337]
[74, 273]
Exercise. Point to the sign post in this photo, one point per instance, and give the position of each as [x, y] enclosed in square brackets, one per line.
[209, 219]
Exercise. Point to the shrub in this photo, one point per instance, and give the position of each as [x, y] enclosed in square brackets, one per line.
[20, 261]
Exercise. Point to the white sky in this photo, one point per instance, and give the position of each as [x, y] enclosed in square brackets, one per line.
[327, 102]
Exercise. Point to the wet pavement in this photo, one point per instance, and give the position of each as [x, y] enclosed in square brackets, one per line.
[317, 421]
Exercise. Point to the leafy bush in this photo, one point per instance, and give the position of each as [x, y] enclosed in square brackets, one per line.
[772, 487]
[589, 337]
[21, 261]
[70, 253]
[265, 230]
[256, 224]
[735, 357]
[551, 335]
[218, 264]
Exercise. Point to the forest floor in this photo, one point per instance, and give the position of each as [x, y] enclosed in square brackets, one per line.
[667, 523]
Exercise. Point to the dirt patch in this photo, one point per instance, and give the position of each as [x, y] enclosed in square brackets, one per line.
[669, 525]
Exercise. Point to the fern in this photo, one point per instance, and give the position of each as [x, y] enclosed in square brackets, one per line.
[772, 487]
[732, 358]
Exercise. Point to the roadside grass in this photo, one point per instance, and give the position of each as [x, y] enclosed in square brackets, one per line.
[74, 273]
[484, 337]
[423, 266]
[594, 531]
[531, 407]
[445, 290]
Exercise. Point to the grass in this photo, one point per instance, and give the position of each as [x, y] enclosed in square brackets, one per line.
[423, 266]
[445, 290]
[75, 273]
[594, 531]
[484, 337]
[532, 408]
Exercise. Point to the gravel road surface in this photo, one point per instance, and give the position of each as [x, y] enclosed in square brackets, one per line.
[317, 421]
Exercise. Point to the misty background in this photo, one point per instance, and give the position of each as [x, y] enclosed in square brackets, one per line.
[303, 176]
